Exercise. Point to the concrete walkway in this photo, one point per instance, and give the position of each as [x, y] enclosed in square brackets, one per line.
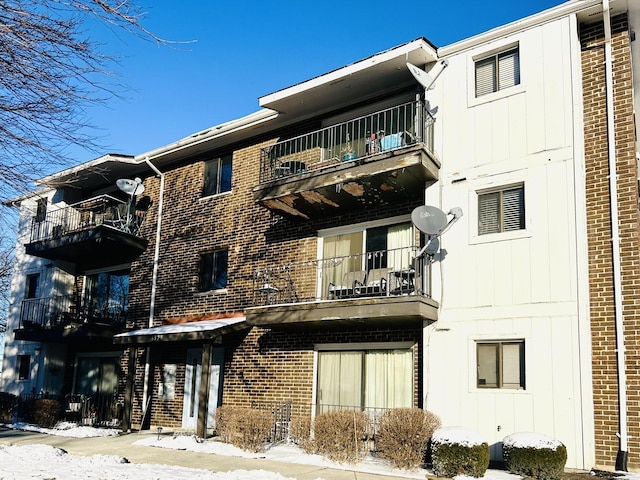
[123, 446]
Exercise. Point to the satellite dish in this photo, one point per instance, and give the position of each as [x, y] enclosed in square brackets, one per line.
[130, 187]
[427, 79]
[429, 220]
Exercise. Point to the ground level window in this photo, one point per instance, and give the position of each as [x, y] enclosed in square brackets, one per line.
[500, 364]
[365, 379]
[24, 367]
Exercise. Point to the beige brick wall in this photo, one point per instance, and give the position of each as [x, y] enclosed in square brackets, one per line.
[599, 241]
[264, 366]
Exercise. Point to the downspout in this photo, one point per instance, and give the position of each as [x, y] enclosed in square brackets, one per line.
[621, 458]
[154, 281]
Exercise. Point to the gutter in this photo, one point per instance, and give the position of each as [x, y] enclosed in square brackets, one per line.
[154, 278]
[621, 458]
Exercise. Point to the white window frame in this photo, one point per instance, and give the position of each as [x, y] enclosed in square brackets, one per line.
[503, 47]
[499, 182]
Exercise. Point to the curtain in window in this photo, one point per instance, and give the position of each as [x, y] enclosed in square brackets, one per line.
[399, 239]
[511, 364]
[339, 380]
[341, 254]
[389, 379]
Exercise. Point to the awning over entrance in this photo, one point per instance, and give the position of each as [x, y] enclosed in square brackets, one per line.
[203, 330]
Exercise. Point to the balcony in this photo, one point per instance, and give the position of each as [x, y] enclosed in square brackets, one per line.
[64, 317]
[368, 161]
[94, 233]
[385, 288]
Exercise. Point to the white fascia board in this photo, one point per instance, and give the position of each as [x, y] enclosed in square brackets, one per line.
[85, 166]
[337, 75]
[568, 8]
[209, 134]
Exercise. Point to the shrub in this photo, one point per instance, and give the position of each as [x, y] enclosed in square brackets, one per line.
[404, 434]
[340, 435]
[246, 428]
[8, 405]
[300, 434]
[534, 455]
[457, 451]
[46, 412]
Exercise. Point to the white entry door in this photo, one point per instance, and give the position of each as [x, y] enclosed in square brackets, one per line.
[192, 378]
[191, 388]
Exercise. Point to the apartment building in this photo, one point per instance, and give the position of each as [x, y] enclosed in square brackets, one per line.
[274, 262]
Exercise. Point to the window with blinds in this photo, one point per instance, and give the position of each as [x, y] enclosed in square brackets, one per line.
[501, 210]
[497, 72]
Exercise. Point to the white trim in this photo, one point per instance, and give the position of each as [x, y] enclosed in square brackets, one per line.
[358, 227]
[215, 195]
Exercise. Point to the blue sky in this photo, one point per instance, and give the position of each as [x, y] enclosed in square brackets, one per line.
[245, 49]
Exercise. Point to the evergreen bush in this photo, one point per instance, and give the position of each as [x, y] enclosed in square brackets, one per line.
[458, 451]
[534, 455]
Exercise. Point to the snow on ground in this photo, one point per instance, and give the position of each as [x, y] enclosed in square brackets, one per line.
[46, 462]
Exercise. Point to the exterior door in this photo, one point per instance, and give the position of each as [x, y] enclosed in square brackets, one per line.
[193, 375]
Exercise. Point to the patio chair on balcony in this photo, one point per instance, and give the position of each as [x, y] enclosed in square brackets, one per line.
[350, 282]
[376, 283]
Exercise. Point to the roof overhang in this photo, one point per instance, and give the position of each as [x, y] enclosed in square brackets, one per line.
[182, 332]
[380, 73]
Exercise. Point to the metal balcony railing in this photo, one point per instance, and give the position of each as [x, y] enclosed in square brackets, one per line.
[100, 210]
[383, 273]
[361, 137]
[61, 310]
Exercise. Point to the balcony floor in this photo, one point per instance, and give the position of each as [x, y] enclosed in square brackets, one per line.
[367, 182]
[94, 247]
[358, 313]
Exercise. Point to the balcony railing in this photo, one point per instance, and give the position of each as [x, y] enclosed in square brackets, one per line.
[362, 137]
[62, 310]
[96, 211]
[383, 273]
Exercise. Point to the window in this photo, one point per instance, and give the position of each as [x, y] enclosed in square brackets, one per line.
[501, 364]
[217, 176]
[32, 286]
[501, 210]
[24, 367]
[497, 72]
[107, 294]
[213, 271]
[41, 210]
[365, 379]
[380, 248]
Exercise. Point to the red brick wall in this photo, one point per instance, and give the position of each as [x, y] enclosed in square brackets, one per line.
[599, 237]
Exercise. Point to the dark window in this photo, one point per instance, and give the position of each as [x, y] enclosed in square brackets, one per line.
[500, 364]
[497, 72]
[41, 209]
[501, 210]
[107, 293]
[24, 367]
[32, 284]
[213, 271]
[217, 176]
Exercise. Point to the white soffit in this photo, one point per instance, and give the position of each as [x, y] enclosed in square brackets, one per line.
[385, 71]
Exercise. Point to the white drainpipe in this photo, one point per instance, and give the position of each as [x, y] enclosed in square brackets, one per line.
[621, 459]
[154, 281]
